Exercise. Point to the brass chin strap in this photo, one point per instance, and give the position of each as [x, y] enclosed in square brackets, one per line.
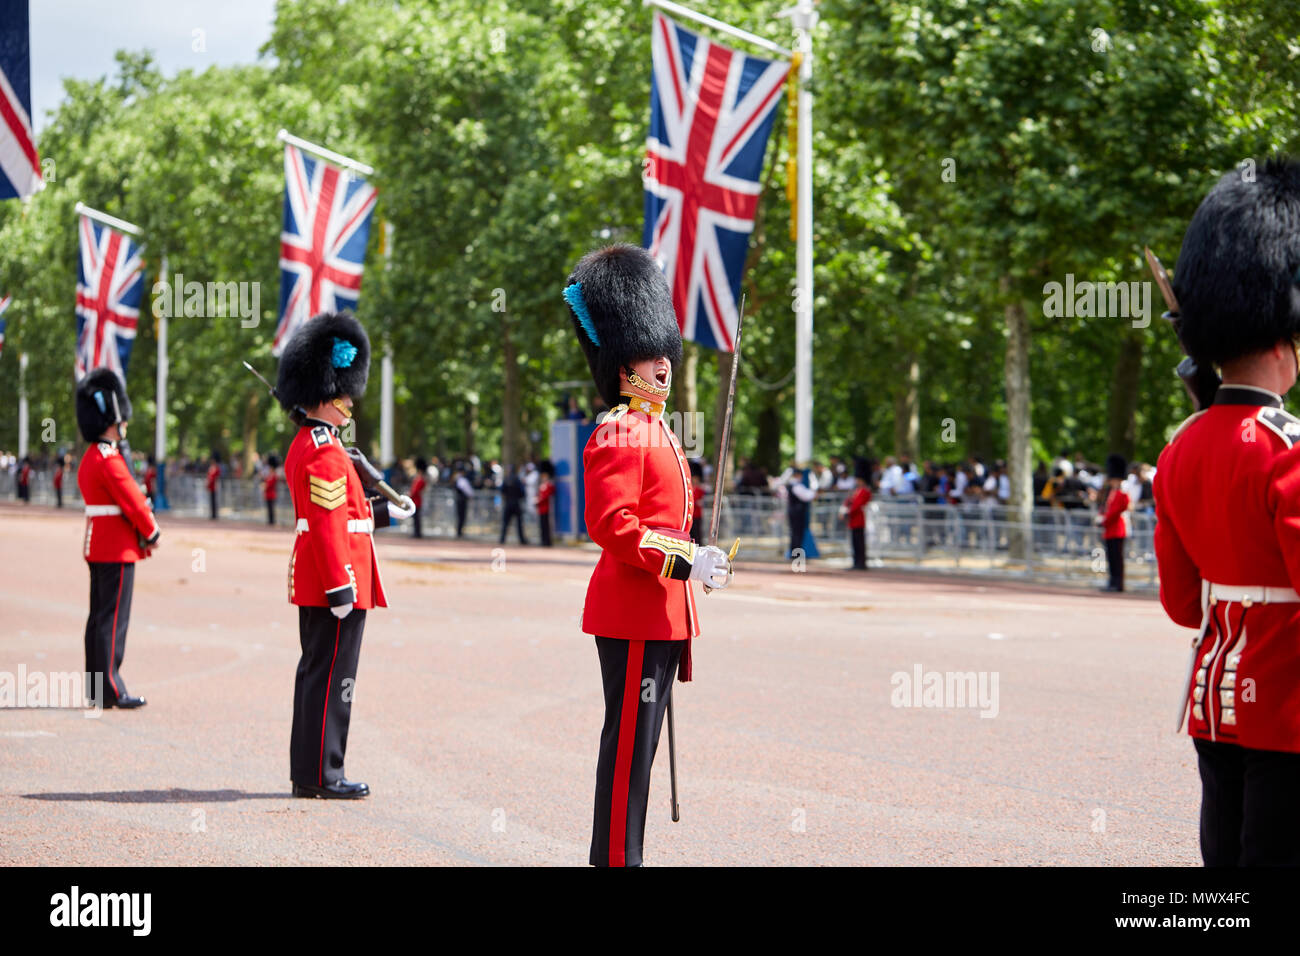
[634, 379]
[343, 409]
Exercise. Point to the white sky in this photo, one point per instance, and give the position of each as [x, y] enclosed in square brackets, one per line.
[78, 38]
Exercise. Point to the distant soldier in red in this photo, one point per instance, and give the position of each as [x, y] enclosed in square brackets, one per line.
[854, 511]
[417, 495]
[25, 480]
[333, 572]
[214, 476]
[697, 496]
[120, 530]
[270, 486]
[640, 606]
[1227, 495]
[1113, 518]
[545, 492]
[151, 479]
[60, 466]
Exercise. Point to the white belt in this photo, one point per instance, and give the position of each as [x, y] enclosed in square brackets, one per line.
[102, 511]
[355, 525]
[1258, 594]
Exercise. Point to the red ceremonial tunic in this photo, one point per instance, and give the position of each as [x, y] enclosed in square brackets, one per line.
[268, 486]
[214, 473]
[637, 482]
[417, 491]
[857, 516]
[544, 493]
[333, 558]
[117, 514]
[58, 477]
[1227, 495]
[1114, 519]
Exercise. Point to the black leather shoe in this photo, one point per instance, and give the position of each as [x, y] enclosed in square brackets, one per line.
[343, 790]
[129, 703]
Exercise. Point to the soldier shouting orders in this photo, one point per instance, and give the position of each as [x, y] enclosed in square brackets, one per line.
[640, 607]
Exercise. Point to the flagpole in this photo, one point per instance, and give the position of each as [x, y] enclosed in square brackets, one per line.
[689, 14]
[804, 18]
[339, 159]
[22, 405]
[386, 366]
[160, 420]
[83, 210]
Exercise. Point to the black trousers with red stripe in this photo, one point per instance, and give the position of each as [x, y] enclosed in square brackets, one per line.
[322, 694]
[638, 677]
[111, 584]
[1248, 805]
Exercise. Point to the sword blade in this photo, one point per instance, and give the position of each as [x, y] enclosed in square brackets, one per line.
[724, 441]
[269, 386]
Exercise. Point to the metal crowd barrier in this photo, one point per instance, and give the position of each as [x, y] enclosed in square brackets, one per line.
[908, 533]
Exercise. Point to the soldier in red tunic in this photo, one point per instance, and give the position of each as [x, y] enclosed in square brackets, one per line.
[854, 511]
[270, 484]
[60, 466]
[1227, 494]
[120, 530]
[545, 492]
[417, 495]
[640, 606]
[333, 573]
[214, 477]
[1113, 519]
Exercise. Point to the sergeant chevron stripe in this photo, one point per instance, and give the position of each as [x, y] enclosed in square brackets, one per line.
[328, 494]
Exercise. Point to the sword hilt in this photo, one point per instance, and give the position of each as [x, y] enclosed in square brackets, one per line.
[731, 556]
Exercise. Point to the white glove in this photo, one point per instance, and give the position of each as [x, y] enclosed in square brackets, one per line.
[712, 566]
[404, 510]
[341, 610]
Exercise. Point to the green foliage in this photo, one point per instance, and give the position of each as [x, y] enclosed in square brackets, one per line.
[508, 139]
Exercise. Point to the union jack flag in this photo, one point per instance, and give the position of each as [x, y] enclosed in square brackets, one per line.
[326, 226]
[4, 305]
[711, 112]
[110, 284]
[20, 167]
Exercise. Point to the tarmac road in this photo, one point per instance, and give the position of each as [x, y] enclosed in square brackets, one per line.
[478, 710]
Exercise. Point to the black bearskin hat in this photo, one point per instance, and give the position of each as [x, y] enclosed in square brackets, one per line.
[623, 312]
[101, 403]
[1236, 276]
[421, 465]
[1116, 466]
[861, 468]
[328, 357]
[546, 467]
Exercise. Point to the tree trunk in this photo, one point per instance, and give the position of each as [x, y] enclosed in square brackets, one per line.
[907, 412]
[690, 391]
[250, 431]
[1121, 429]
[767, 445]
[1019, 420]
[511, 399]
[471, 426]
